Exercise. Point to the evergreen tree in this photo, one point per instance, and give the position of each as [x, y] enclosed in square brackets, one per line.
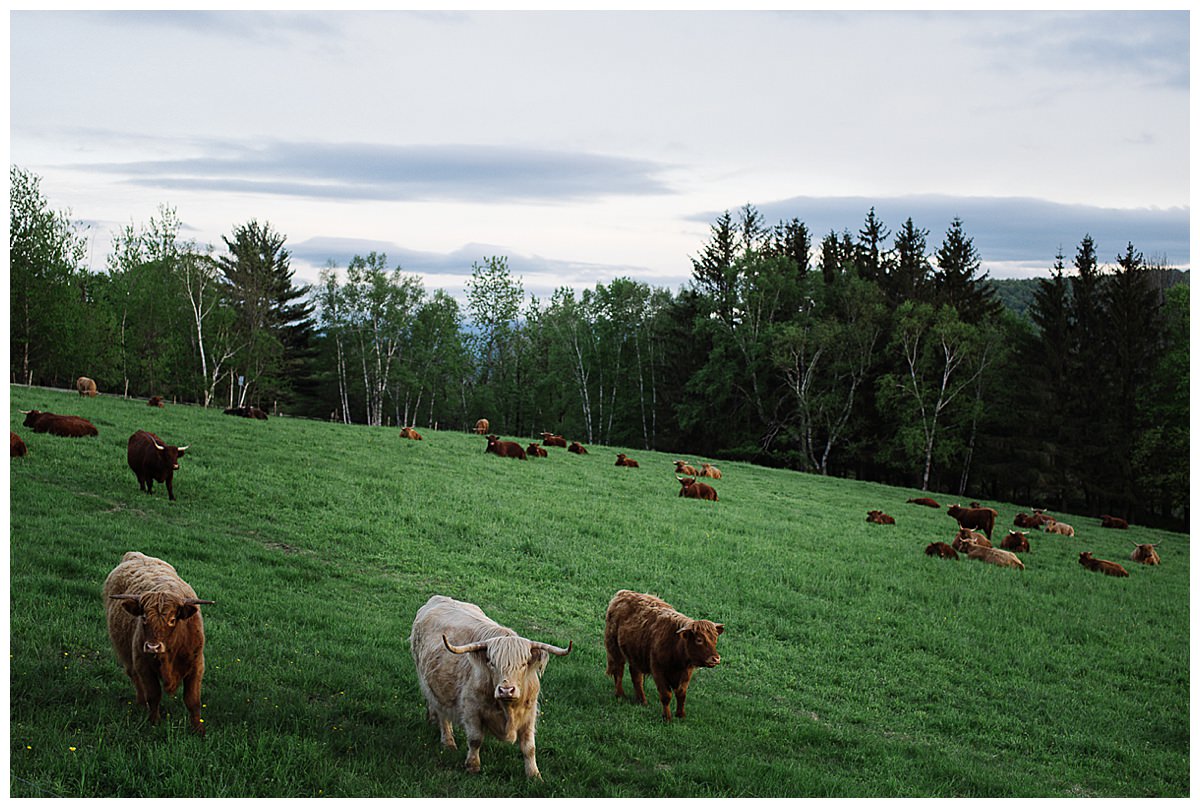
[956, 282]
[908, 273]
[837, 256]
[871, 257]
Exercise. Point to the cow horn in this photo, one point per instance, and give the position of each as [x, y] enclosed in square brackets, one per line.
[554, 649]
[184, 448]
[26, 412]
[159, 446]
[463, 649]
[198, 602]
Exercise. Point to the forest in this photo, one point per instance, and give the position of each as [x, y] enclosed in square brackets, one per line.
[868, 354]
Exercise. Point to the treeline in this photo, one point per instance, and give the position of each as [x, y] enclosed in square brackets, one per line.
[864, 354]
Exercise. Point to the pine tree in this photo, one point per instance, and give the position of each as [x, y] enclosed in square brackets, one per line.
[870, 254]
[908, 275]
[955, 279]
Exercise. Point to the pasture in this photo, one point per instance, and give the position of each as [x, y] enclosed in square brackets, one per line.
[853, 664]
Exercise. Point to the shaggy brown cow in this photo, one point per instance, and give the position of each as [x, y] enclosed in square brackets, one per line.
[653, 638]
[1113, 521]
[480, 675]
[695, 490]
[535, 451]
[983, 519]
[941, 550]
[151, 459]
[155, 401]
[550, 439]
[577, 448]
[64, 426]
[1016, 541]
[157, 632]
[247, 412]
[85, 386]
[1061, 528]
[482, 426]
[965, 538]
[628, 462]
[926, 501]
[504, 448]
[709, 470]
[410, 433]
[686, 468]
[16, 446]
[1145, 554]
[880, 518]
[1100, 565]
[990, 555]
[1026, 521]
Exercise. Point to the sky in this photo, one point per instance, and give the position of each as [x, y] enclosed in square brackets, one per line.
[585, 146]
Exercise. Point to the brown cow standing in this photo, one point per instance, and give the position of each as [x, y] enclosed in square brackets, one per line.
[64, 426]
[628, 462]
[151, 459]
[694, 490]
[504, 448]
[941, 550]
[653, 638]
[410, 433]
[85, 386]
[880, 518]
[577, 448]
[550, 439]
[535, 451]
[1145, 554]
[16, 446]
[1016, 541]
[1100, 565]
[482, 426]
[1113, 521]
[926, 501]
[155, 401]
[983, 519]
[157, 632]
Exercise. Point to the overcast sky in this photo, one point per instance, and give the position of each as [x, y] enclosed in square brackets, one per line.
[589, 145]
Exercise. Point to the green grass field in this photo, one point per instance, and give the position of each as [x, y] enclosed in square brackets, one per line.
[853, 665]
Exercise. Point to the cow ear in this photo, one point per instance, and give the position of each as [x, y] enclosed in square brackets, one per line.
[185, 611]
[682, 630]
[720, 628]
[130, 603]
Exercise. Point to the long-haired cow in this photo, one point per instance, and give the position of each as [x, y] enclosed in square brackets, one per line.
[1015, 541]
[694, 490]
[577, 448]
[482, 426]
[504, 448]
[1113, 521]
[941, 550]
[628, 462]
[1101, 565]
[154, 401]
[1060, 528]
[880, 518]
[479, 675]
[653, 638]
[685, 468]
[964, 538]
[16, 446]
[982, 519]
[990, 555]
[410, 433]
[926, 501]
[534, 450]
[1145, 554]
[709, 470]
[152, 460]
[550, 439]
[157, 632]
[64, 426]
[85, 386]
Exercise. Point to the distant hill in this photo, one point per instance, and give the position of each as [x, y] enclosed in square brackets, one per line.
[1017, 293]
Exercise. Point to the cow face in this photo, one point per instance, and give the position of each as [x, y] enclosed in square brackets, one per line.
[159, 614]
[512, 665]
[700, 639]
[169, 455]
[31, 417]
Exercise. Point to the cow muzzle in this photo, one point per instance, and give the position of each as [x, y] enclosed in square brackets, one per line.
[506, 692]
[154, 647]
[713, 661]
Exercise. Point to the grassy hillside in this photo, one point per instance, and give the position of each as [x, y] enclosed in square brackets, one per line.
[854, 665]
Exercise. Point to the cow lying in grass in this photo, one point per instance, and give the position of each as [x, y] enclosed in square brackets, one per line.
[1145, 554]
[1100, 565]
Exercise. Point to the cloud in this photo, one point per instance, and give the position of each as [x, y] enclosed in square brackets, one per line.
[1003, 229]
[373, 172]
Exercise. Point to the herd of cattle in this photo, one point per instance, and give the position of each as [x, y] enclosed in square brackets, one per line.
[473, 672]
[974, 537]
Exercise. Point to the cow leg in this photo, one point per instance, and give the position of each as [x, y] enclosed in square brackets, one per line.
[664, 693]
[681, 693]
[636, 677]
[153, 692]
[170, 490]
[191, 700]
[525, 739]
[474, 730]
[447, 731]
